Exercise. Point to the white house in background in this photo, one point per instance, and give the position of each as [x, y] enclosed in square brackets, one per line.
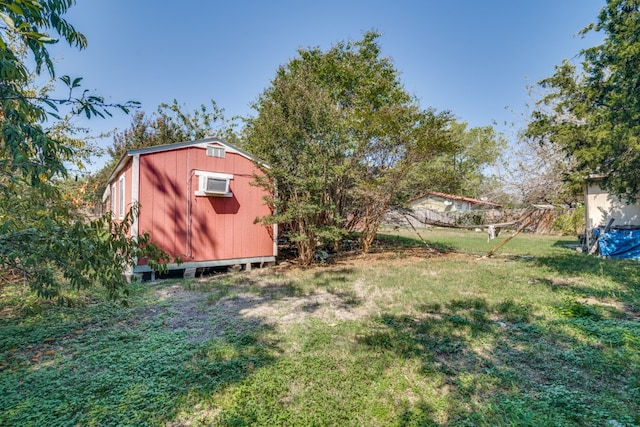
[435, 208]
[600, 206]
[442, 202]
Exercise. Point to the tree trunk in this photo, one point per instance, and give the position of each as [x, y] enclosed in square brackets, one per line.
[374, 214]
[306, 246]
[305, 252]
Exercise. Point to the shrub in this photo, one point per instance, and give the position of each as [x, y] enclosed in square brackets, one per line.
[571, 222]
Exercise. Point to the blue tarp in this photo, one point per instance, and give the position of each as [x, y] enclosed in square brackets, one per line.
[620, 243]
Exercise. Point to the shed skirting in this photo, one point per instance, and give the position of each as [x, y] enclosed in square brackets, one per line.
[210, 263]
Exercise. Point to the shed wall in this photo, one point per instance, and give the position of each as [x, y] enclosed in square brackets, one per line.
[601, 206]
[202, 228]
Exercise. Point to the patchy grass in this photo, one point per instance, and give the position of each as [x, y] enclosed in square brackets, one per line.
[536, 335]
[470, 241]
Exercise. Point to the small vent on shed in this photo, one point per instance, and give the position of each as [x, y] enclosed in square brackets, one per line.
[215, 152]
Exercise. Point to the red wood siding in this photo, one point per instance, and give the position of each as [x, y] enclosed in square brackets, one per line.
[201, 228]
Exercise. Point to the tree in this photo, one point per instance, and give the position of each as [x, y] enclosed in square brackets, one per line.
[409, 138]
[541, 174]
[462, 170]
[169, 125]
[295, 135]
[42, 236]
[338, 133]
[591, 112]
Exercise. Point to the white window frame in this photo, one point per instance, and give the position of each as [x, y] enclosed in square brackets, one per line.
[202, 183]
[121, 199]
[113, 200]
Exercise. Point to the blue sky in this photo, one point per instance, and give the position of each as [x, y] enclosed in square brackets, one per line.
[472, 57]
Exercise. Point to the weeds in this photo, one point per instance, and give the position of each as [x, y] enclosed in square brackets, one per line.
[542, 336]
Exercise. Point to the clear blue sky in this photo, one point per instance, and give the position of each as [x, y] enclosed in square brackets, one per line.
[472, 57]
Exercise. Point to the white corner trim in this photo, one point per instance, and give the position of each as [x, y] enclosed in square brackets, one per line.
[135, 192]
[275, 240]
[122, 195]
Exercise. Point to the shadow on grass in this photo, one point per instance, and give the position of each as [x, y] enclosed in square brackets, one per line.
[569, 244]
[160, 361]
[329, 277]
[590, 276]
[500, 365]
[145, 365]
[392, 241]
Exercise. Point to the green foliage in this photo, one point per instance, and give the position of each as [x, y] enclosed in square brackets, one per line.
[43, 236]
[462, 169]
[297, 134]
[51, 250]
[338, 133]
[570, 223]
[169, 125]
[28, 151]
[548, 339]
[591, 111]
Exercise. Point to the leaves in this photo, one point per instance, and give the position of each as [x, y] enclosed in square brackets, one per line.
[339, 133]
[592, 112]
[44, 235]
[51, 249]
[7, 20]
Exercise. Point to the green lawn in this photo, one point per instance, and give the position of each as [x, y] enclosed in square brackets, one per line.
[537, 335]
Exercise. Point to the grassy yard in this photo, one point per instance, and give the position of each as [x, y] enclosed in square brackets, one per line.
[537, 335]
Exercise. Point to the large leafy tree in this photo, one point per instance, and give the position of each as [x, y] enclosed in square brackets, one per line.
[401, 138]
[338, 133]
[592, 111]
[42, 234]
[464, 168]
[295, 135]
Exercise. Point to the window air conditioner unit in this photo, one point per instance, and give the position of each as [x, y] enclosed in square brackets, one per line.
[213, 184]
[216, 186]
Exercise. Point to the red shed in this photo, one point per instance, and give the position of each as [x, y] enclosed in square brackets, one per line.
[196, 202]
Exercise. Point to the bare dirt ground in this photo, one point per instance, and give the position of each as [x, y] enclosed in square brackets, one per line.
[267, 297]
[193, 311]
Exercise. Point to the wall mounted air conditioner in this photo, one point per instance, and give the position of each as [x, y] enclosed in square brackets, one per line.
[213, 184]
[219, 186]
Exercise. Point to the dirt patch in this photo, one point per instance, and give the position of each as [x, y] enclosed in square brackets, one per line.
[327, 306]
[191, 312]
[258, 298]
